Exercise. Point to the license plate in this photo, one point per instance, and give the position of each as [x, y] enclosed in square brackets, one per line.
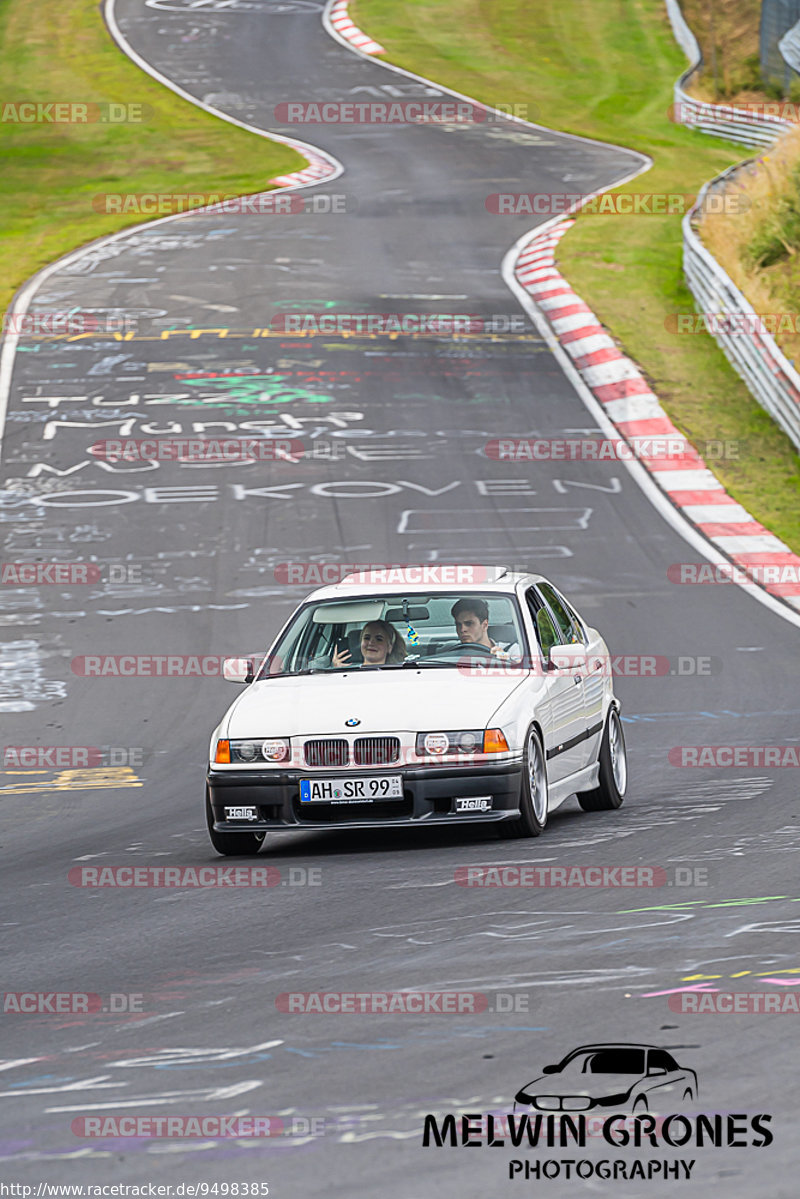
[352, 790]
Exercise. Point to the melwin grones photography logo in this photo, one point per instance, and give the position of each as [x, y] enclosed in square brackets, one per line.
[628, 1097]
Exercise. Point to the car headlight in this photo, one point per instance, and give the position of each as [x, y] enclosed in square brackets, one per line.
[248, 752]
[463, 741]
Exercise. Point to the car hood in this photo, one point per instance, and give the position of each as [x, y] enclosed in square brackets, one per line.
[575, 1082]
[384, 701]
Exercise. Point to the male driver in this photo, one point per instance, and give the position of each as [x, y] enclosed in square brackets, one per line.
[471, 615]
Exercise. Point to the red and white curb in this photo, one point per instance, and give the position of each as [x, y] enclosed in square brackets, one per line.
[635, 411]
[340, 20]
[319, 167]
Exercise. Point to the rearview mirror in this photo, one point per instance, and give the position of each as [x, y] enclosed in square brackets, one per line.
[238, 670]
[550, 1070]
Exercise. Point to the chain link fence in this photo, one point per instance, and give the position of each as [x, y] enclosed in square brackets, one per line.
[777, 19]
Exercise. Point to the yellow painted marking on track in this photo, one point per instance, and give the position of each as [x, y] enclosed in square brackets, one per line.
[78, 780]
[292, 335]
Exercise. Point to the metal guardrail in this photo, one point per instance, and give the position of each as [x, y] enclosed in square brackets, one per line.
[737, 328]
[718, 120]
[733, 322]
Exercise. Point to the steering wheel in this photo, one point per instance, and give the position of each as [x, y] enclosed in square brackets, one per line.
[463, 647]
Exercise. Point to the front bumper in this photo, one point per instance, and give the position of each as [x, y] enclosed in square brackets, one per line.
[429, 795]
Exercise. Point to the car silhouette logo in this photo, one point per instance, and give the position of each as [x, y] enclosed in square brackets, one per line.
[612, 1076]
[352, 722]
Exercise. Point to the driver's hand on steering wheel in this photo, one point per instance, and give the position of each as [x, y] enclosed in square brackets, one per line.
[499, 652]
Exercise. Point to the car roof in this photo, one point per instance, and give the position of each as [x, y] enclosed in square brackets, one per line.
[610, 1045]
[428, 579]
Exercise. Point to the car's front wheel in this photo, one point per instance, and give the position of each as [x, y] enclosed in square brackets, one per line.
[612, 780]
[232, 845]
[533, 791]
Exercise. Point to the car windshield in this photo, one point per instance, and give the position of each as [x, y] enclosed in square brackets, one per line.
[442, 631]
[610, 1061]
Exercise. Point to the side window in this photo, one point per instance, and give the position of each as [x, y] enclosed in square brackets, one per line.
[658, 1059]
[546, 634]
[571, 629]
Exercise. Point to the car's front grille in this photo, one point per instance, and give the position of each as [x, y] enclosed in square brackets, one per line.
[326, 753]
[376, 751]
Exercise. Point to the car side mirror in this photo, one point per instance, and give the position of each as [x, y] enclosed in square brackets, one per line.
[550, 1070]
[657, 1070]
[238, 670]
[567, 657]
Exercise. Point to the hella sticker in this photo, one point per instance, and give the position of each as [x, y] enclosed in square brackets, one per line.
[478, 803]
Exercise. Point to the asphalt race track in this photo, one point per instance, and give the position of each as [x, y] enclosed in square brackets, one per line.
[398, 474]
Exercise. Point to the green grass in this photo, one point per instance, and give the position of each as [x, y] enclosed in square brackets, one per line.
[61, 51]
[606, 70]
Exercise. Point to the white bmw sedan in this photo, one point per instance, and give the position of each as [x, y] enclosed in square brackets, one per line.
[398, 698]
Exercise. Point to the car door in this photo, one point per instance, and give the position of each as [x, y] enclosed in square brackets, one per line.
[565, 749]
[663, 1074]
[595, 676]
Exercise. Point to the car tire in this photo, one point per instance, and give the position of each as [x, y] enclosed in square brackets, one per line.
[687, 1094]
[613, 777]
[640, 1105]
[232, 845]
[532, 791]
